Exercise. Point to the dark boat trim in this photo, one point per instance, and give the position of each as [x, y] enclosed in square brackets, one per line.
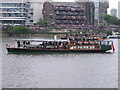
[23, 50]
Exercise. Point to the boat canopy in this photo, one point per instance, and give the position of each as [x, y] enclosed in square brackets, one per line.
[42, 40]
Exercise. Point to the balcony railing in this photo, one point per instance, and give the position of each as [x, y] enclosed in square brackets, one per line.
[63, 8]
[12, 7]
[70, 22]
[12, 12]
[70, 17]
[70, 14]
[12, 18]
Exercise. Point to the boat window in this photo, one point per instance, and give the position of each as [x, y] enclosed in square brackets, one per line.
[71, 47]
[80, 47]
[91, 42]
[107, 43]
[79, 43]
[74, 47]
[85, 43]
[92, 47]
[97, 47]
[104, 43]
[96, 43]
[86, 47]
[110, 42]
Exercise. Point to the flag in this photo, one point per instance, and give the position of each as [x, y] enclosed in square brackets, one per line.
[7, 45]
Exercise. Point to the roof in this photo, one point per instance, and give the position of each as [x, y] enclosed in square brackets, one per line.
[41, 40]
[65, 3]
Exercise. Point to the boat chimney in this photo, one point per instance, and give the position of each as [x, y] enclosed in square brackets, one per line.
[55, 37]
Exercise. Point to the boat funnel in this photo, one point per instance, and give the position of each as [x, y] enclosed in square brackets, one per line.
[55, 37]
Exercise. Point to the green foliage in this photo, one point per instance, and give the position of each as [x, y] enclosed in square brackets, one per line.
[18, 30]
[43, 22]
[117, 31]
[111, 19]
[119, 22]
[109, 32]
[9, 27]
[22, 30]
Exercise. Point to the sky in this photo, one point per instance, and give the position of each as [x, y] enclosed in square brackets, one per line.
[112, 3]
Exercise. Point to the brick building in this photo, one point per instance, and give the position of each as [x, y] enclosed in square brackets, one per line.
[69, 13]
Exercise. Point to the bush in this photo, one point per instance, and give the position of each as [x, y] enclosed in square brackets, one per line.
[108, 32]
[21, 30]
[18, 30]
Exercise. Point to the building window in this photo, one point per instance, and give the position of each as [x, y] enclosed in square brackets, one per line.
[51, 16]
[31, 20]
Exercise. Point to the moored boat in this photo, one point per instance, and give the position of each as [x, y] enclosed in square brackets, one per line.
[59, 46]
[114, 35]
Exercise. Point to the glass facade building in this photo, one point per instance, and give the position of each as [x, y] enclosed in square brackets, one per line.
[13, 12]
[113, 12]
[101, 7]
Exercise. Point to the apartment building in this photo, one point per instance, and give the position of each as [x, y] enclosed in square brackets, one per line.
[101, 7]
[113, 12]
[35, 11]
[68, 13]
[13, 12]
[21, 12]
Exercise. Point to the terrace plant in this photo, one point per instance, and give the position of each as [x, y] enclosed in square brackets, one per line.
[43, 22]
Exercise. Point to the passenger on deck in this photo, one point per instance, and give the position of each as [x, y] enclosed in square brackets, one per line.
[24, 44]
[28, 43]
[18, 43]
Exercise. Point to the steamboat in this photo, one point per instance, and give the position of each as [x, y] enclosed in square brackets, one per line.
[60, 46]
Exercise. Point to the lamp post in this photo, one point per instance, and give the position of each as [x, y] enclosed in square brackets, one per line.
[99, 12]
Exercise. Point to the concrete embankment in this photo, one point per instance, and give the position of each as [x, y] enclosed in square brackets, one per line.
[2, 34]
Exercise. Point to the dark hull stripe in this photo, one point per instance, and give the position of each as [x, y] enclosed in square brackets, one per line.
[16, 50]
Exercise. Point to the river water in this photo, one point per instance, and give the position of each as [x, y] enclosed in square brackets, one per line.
[82, 70]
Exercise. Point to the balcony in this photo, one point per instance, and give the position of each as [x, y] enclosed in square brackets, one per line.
[70, 17]
[12, 18]
[11, 2]
[12, 12]
[71, 22]
[71, 13]
[12, 7]
[64, 8]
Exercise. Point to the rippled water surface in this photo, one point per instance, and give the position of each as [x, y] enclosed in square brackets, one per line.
[81, 70]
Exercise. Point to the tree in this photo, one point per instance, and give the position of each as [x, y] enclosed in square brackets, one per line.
[43, 22]
[111, 19]
[18, 30]
[21, 30]
[119, 22]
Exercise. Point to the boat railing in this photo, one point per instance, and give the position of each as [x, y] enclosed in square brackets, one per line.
[86, 47]
[106, 43]
[63, 44]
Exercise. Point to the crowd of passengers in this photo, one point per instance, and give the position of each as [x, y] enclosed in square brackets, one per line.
[57, 44]
[72, 40]
[81, 38]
